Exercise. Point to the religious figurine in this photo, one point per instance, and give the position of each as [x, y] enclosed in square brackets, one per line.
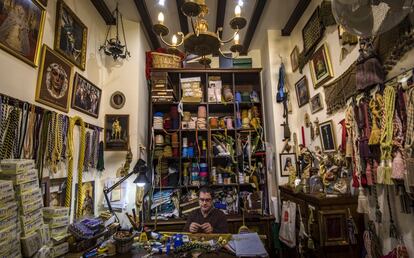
[306, 161]
[116, 129]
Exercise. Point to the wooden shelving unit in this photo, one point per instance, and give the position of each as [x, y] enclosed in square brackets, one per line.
[239, 80]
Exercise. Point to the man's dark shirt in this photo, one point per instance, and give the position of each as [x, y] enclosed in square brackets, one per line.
[215, 217]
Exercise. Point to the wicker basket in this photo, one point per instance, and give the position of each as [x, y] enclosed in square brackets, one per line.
[123, 245]
[161, 60]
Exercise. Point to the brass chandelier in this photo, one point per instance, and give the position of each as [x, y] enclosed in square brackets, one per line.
[201, 41]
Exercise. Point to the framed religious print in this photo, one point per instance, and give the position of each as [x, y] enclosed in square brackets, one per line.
[294, 58]
[302, 91]
[320, 66]
[53, 87]
[116, 135]
[287, 164]
[87, 208]
[86, 96]
[70, 35]
[326, 131]
[21, 29]
[316, 103]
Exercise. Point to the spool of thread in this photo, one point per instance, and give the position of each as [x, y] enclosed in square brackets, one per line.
[201, 123]
[227, 92]
[185, 152]
[245, 96]
[174, 140]
[246, 123]
[229, 123]
[241, 178]
[219, 178]
[221, 123]
[187, 116]
[202, 112]
[255, 111]
[185, 142]
[158, 120]
[238, 97]
[159, 139]
[203, 167]
[175, 152]
[213, 175]
[244, 114]
[213, 122]
[190, 152]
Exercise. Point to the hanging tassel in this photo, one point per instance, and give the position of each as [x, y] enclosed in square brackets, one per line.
[368, 174]
[375, 136]
[381, 172]
[362, 201]
[100, 165]
[387, 173]
[398, 166]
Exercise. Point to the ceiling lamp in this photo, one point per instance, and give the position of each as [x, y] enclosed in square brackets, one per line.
[201, 41]
[113, 46]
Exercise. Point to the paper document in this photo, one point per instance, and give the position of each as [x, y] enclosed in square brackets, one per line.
[248, 245]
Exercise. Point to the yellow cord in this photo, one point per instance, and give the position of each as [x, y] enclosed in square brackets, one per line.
[80, 198]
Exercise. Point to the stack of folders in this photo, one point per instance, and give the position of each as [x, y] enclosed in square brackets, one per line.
[247, 245]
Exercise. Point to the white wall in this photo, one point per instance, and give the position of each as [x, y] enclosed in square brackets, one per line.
[19, 81]
[278, 45]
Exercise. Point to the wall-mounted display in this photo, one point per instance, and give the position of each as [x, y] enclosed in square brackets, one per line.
[316, 103]
[53, 87]
[312, 32]
[287, 163]
[21, 29]
[88, 202]
[326, 131]
[116, 132]
[86, 96]
[70, 35]
[302, 91]
[118, 100]
[320, 66]
[294, 58]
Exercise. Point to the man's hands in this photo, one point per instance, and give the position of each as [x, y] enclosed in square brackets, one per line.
[206, 227]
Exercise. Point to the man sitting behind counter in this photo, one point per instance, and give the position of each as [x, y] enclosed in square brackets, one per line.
[207, 219]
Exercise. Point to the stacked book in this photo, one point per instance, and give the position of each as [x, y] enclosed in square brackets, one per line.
[9, 222]
[160, 88]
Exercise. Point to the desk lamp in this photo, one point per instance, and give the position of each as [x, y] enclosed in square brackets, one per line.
[141, 169]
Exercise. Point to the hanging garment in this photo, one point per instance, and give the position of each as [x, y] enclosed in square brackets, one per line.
[369, 71]
[281, 94]
[287, 232]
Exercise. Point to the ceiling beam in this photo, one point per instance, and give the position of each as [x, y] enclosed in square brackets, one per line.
[254, 21]
[104, 11]
[295, 16]
[146, 21]
[221, 13]
[182, 17]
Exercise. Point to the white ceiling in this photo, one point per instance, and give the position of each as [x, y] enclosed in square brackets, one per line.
[275, 15]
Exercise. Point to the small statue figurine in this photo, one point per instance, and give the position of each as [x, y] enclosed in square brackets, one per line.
[116, 129]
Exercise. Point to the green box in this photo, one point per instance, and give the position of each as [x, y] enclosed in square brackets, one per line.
[242, 63]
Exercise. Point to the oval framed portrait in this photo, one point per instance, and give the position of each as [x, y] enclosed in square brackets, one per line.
[118, 100]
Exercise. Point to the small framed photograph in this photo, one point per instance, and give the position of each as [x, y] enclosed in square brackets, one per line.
[320, 66]
[70, 35]
[288, 163]
[53, 87]
[116, 132]
[294, 58]
[326, 131]
[316, 103]
[87, 205]
[21, 29]
[302, 91]
[118, 100]
[86, 96]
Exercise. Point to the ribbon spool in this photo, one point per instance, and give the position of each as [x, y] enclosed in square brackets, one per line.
[158, 120]
[174, 140]
[238, 97]
[213, 122]
[246, 123]
[229, 123]
[202, 112]
[244, 114]
[185, 142]
[187, 116]
[227, 92]
[159, 139]
[221, 123]
[190, 152]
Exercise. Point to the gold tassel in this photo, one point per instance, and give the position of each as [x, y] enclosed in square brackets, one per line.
[375, 137]
[387, 173]
[362, 201]
[380, 173]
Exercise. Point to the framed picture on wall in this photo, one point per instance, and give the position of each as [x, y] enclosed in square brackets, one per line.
[70, 35]
[326, 131]
[21, 29]
[53, 87]
[302, 91]
[287, 163]
[88, 202]
[116, 132]
[320, 66]
[316, 103]
[86, 96]
[294, 58]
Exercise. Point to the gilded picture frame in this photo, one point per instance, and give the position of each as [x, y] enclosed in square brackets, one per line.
[327, 135]
[302, 91]
[23, 42]
[294, 59]
[316, 103]
[321, 67]
[284, 159]
[86, 96]
[53, 82]
[116, 132]
[70, 35]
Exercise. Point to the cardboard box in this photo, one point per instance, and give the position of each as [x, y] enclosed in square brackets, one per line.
[49, 212]
[30, 207]
[30, 196]
[59, 231]
[44, 233]
[34, 215]
[55, 222]
[30, 244]
[16, 166]
[8, 222]
[8, 233]
[8, 210]
[32, 226]
[5, 186]
[242, 63]
[7, 197]
[61, 249]
[27, 186]
[29, 175]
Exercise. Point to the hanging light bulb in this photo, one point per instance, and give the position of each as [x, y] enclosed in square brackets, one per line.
[240, 2]
[236, 39]
[237, 10]
[161, 2]
[174, 40]
[161, 18]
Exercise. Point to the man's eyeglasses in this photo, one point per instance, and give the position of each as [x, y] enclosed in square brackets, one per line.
[204, 200]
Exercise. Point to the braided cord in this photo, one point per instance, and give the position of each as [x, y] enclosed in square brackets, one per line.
[58, 142]
[409, 137]
[4, 122]
[70, 146]
[17, 135]
[10, 134]
[28, 140]
[51, 138]
[87, 152]
[94, 150]
[47, 116]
